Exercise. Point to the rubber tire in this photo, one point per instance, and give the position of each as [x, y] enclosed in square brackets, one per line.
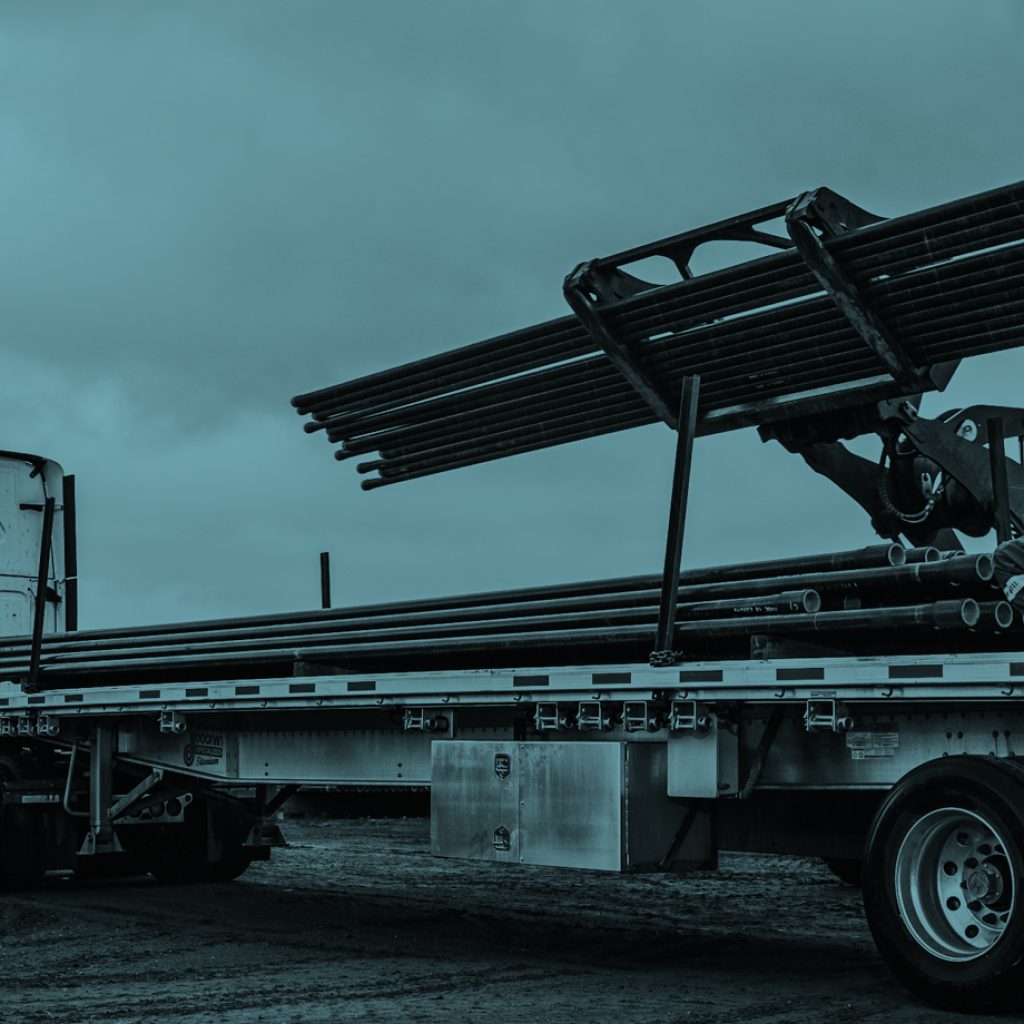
[993, 787]
[179, 872]
[177, 854]
[849, 870]
[225, 870]
[16, 766]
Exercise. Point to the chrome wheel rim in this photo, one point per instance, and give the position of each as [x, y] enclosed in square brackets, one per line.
[954, 884]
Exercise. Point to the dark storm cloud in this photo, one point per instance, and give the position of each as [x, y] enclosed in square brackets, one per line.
[211, 207]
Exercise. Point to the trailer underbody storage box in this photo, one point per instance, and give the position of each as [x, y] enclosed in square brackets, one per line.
[601, 805]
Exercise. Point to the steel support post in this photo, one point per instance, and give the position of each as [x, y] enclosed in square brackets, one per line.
[101, 837]
[664, 652]
[834, 215]
[581, 292]
[39, 617]
[265, 832]
[1000, 483]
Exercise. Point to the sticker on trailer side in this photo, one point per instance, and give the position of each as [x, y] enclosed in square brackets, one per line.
[881, 740]
[205, 749]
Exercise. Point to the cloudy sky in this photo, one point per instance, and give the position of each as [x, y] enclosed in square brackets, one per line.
[211, 206]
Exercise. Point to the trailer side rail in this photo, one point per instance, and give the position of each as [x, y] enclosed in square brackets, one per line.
[975, 677]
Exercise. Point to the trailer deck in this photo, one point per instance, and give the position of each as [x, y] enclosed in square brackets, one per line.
[893, 679]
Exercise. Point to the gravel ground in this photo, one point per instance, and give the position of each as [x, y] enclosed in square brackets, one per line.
[356, 921]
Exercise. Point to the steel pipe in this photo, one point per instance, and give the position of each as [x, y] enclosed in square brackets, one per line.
[941, 615]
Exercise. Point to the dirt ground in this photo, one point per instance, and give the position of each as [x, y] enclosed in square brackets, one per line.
[356, 921]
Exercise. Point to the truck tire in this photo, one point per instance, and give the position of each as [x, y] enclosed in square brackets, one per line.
[207, 847]
[15, 766]
[944, 883]
[188, 871]
[849, 870]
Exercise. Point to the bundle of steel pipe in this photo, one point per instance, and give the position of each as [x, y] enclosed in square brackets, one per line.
[898, 599]
[947, 282]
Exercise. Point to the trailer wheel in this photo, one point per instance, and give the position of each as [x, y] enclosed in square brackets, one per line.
[849, 870]
[171, 871]
[943, 881]
[18, 844]
[207, 847]
[17, 765]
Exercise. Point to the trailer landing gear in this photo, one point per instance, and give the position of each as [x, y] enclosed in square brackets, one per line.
[943, 882]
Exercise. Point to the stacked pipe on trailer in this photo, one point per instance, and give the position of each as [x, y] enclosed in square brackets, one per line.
[948, 282]
[921, 603]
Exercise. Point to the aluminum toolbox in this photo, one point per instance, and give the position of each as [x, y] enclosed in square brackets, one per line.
[600, 805]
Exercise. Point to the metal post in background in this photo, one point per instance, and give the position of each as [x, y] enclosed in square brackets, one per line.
[325, 579]
[686, 429]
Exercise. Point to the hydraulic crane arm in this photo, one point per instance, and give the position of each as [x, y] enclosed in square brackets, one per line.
[933, 475]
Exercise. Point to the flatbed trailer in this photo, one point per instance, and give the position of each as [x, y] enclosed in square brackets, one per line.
[623, 767]
[899, 760]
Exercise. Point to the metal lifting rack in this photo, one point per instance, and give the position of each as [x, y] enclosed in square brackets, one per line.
[847, 310]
